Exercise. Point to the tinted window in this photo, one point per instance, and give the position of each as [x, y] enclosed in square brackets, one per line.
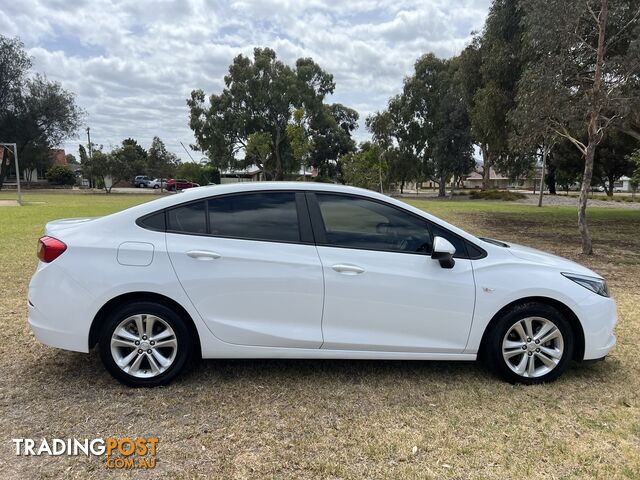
[153, 222]
[187, 218]
[360, 223]
[260, 216]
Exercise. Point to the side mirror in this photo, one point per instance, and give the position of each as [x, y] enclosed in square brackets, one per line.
[443, 252]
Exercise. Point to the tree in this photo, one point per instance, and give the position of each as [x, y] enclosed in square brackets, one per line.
[71, 159]
[585, 77]
[61, 175]
[488, 73]
[106, 168]
[299, 138]
[566, 163]
[612, 160]
[35, 113]
[160, 162]
[634, 158]
[360, 168]
[127, 160]
[426, 129]
[329, 133]
[259, 98]
[199, 173]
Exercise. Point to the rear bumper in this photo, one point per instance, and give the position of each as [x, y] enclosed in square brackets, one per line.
[45, 331]
[59, 309]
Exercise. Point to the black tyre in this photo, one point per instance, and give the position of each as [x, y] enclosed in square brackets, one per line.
[145, 344]
[531, 343]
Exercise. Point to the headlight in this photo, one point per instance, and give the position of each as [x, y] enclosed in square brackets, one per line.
[595, 284]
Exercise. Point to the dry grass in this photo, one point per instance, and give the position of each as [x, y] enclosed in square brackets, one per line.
[334, 419]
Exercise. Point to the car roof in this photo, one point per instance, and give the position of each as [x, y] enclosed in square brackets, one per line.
[197, 193]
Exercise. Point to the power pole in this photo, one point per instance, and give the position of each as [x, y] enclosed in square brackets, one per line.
[89, 140]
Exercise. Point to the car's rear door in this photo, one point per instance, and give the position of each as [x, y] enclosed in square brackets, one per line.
[382, 290]
[248, 263]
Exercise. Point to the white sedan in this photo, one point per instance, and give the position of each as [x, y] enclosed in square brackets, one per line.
[306, 270]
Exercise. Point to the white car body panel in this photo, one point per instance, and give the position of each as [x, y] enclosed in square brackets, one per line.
[313, 311]
[246, 296]
[398, 300]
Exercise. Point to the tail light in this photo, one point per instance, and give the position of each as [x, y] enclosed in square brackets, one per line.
[50, 248]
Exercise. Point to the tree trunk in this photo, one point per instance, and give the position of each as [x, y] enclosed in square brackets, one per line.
[544, 166]
[402, 186]
[594, 134]
[551, 179]
[3, 166]
[486, 169]
[279, 170]
[610, 187]
[587, 247]
[442, 192]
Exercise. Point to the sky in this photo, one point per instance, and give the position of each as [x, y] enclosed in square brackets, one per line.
[133, 63]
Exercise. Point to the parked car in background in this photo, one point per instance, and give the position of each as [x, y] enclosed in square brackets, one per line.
[141, 181]
[307, 270]
[158, 183]
[175, 185]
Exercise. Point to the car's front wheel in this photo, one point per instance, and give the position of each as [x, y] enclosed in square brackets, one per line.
[145, 344]
[531, 343]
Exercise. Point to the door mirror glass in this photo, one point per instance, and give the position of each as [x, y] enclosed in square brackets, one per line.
[443, 252]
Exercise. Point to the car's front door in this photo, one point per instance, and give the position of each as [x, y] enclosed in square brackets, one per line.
[382, 290]
[248, 264]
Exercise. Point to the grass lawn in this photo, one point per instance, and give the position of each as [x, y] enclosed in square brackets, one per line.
[333, 419]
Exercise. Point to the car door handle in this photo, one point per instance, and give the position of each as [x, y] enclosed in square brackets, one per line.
[203, 255]
[348, 269]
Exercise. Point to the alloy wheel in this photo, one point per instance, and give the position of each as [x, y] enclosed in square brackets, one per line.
[144, 345]
[533, 347]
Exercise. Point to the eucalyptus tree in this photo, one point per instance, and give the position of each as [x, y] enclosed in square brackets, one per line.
[585, 78]
[488, 73]
[257, 105]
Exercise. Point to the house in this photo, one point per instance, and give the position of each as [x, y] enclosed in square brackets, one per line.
[496, 180]
[253, 173]
[36, 175]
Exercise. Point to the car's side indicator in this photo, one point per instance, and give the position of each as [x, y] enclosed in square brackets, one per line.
[488, 289]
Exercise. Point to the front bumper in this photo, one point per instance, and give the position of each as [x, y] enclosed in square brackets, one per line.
[598, 319]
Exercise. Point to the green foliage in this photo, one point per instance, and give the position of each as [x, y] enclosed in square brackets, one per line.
[425, 131]
[488, 74]
[504, 195]
[160, 162]
[35, 113]
[61, 175]
[202, 174]
[253, 112]
[634, 158]
[71, 159]
[364, 168]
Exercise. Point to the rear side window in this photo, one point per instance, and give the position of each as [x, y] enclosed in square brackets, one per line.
[187, 218]
[271, 216]
[155, 221]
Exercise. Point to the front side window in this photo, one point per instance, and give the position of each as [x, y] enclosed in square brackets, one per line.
[269, 216]
[360, 223]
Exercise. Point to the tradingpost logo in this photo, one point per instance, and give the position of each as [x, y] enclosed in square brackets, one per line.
[120, 453]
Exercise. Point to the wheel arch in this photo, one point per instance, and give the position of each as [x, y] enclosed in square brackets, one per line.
[98, 319]
[572, 318]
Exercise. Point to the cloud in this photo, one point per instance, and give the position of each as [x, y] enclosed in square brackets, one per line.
[132, 65]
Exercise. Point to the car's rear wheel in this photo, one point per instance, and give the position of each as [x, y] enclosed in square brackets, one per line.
[531, 343]
[145, 344]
